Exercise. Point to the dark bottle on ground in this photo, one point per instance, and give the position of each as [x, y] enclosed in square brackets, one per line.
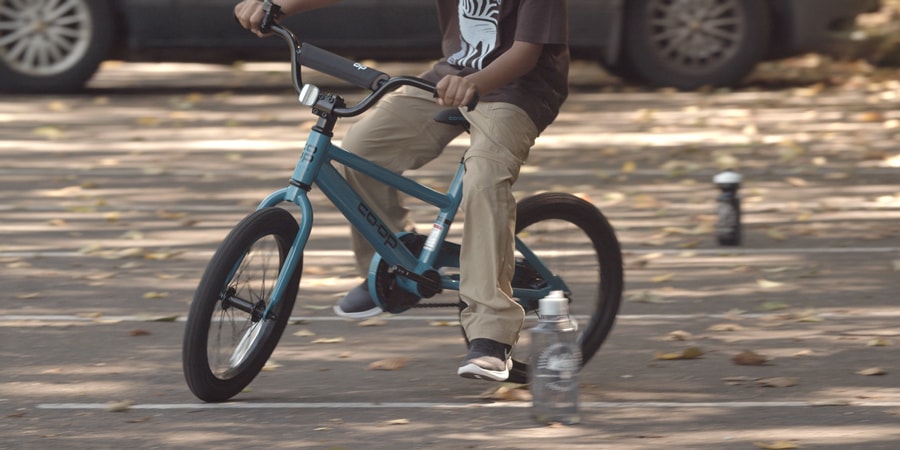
[555, 362]
[728, 208]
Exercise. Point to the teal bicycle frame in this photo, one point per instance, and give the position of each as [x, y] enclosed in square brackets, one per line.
[314, 168]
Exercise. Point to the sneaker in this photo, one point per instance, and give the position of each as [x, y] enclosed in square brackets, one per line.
[357, 304]
[487, 360]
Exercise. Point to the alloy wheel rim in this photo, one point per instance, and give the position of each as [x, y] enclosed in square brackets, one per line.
[695, 36]
[44, 37]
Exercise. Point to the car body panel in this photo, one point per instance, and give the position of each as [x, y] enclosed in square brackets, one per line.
[392, 29]
[205, 31]
[797, 31]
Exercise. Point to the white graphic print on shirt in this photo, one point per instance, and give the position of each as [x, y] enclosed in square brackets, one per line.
[478, 30]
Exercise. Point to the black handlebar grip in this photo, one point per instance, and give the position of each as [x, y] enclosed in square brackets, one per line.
[273, 12]
[340, 67]
[473, 102]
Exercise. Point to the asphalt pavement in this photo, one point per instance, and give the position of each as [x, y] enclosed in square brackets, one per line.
[112, 202]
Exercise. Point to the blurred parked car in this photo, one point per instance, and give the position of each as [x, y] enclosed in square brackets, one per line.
[56, 45]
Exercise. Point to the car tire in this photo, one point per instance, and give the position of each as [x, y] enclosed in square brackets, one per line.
[53, 47]
[688, 44]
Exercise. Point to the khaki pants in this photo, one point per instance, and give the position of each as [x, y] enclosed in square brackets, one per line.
[400, 134]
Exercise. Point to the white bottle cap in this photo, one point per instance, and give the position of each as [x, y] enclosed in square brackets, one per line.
[727, 177]
[555, 304]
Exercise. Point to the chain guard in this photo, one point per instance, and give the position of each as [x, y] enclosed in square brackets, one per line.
[390, 297]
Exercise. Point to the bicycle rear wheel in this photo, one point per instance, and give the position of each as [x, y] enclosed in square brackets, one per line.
[227, 340]
[576, 242]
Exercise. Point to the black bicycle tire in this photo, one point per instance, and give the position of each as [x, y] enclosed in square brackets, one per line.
[200, 378]
[584, 215]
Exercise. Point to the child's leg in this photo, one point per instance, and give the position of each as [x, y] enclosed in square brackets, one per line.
[398, 134]
[502, 136]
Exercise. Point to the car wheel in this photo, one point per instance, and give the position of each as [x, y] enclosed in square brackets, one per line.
[688, 44]
[52, 46]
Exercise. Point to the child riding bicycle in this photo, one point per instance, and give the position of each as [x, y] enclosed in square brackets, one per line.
[513, 55]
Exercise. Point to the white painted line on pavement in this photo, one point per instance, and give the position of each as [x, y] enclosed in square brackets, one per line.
[105, 320]
[633, 251]
[437, 405]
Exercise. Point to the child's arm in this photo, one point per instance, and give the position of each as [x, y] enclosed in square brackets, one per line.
[250, 12]
[520, 59]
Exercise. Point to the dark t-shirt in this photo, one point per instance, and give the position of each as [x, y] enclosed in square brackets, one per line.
[475, 32]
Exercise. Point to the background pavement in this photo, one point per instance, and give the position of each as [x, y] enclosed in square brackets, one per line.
[113, 201]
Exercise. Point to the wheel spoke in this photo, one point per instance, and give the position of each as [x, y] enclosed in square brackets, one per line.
[721, 10]
[17, 37]
[10, 13]
[18, 47]
[61, 10]
[58, 45]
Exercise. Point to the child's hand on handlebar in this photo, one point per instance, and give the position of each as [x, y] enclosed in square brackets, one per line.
[455, 91]
[250, 13]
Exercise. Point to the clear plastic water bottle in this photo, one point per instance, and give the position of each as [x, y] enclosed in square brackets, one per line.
[728, 208]
[554, 364]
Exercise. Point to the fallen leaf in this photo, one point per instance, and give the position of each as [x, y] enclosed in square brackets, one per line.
[508, 392]
[796, 182]
[28, 296]
[389, 364]
[738, 380]
[723, 327]
[749, 358]
[768, 284]
[271, 365]
[444, 323]
[135, 333]
[662, 278]
[155, 295]
[147, 121]
[119, 406]
[163, 214]
[678, 335]
[776, 234]
[778, 382]
[872, 371]
[398, 422]
[336, 340]
[645, 297]
[830, 402]
[162, 319]
[879, 342]
[161, 255]
[688, 353]
[773, 306]
[870, 116]
[48, 132]
[373, 322]
[778, 445]
[132, 235]
[304, 333]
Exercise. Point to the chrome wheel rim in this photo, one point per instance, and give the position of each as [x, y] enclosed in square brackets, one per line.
[44, 37]
[695, 36]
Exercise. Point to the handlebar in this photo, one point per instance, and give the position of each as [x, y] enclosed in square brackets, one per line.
[303, 54]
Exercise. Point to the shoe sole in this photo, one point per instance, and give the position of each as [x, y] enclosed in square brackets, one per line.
[476, 372]
[357, 315]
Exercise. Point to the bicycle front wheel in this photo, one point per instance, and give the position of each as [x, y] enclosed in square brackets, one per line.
[573, 239]
[227, 339]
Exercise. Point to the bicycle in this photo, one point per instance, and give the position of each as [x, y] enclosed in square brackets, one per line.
[245, 297]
